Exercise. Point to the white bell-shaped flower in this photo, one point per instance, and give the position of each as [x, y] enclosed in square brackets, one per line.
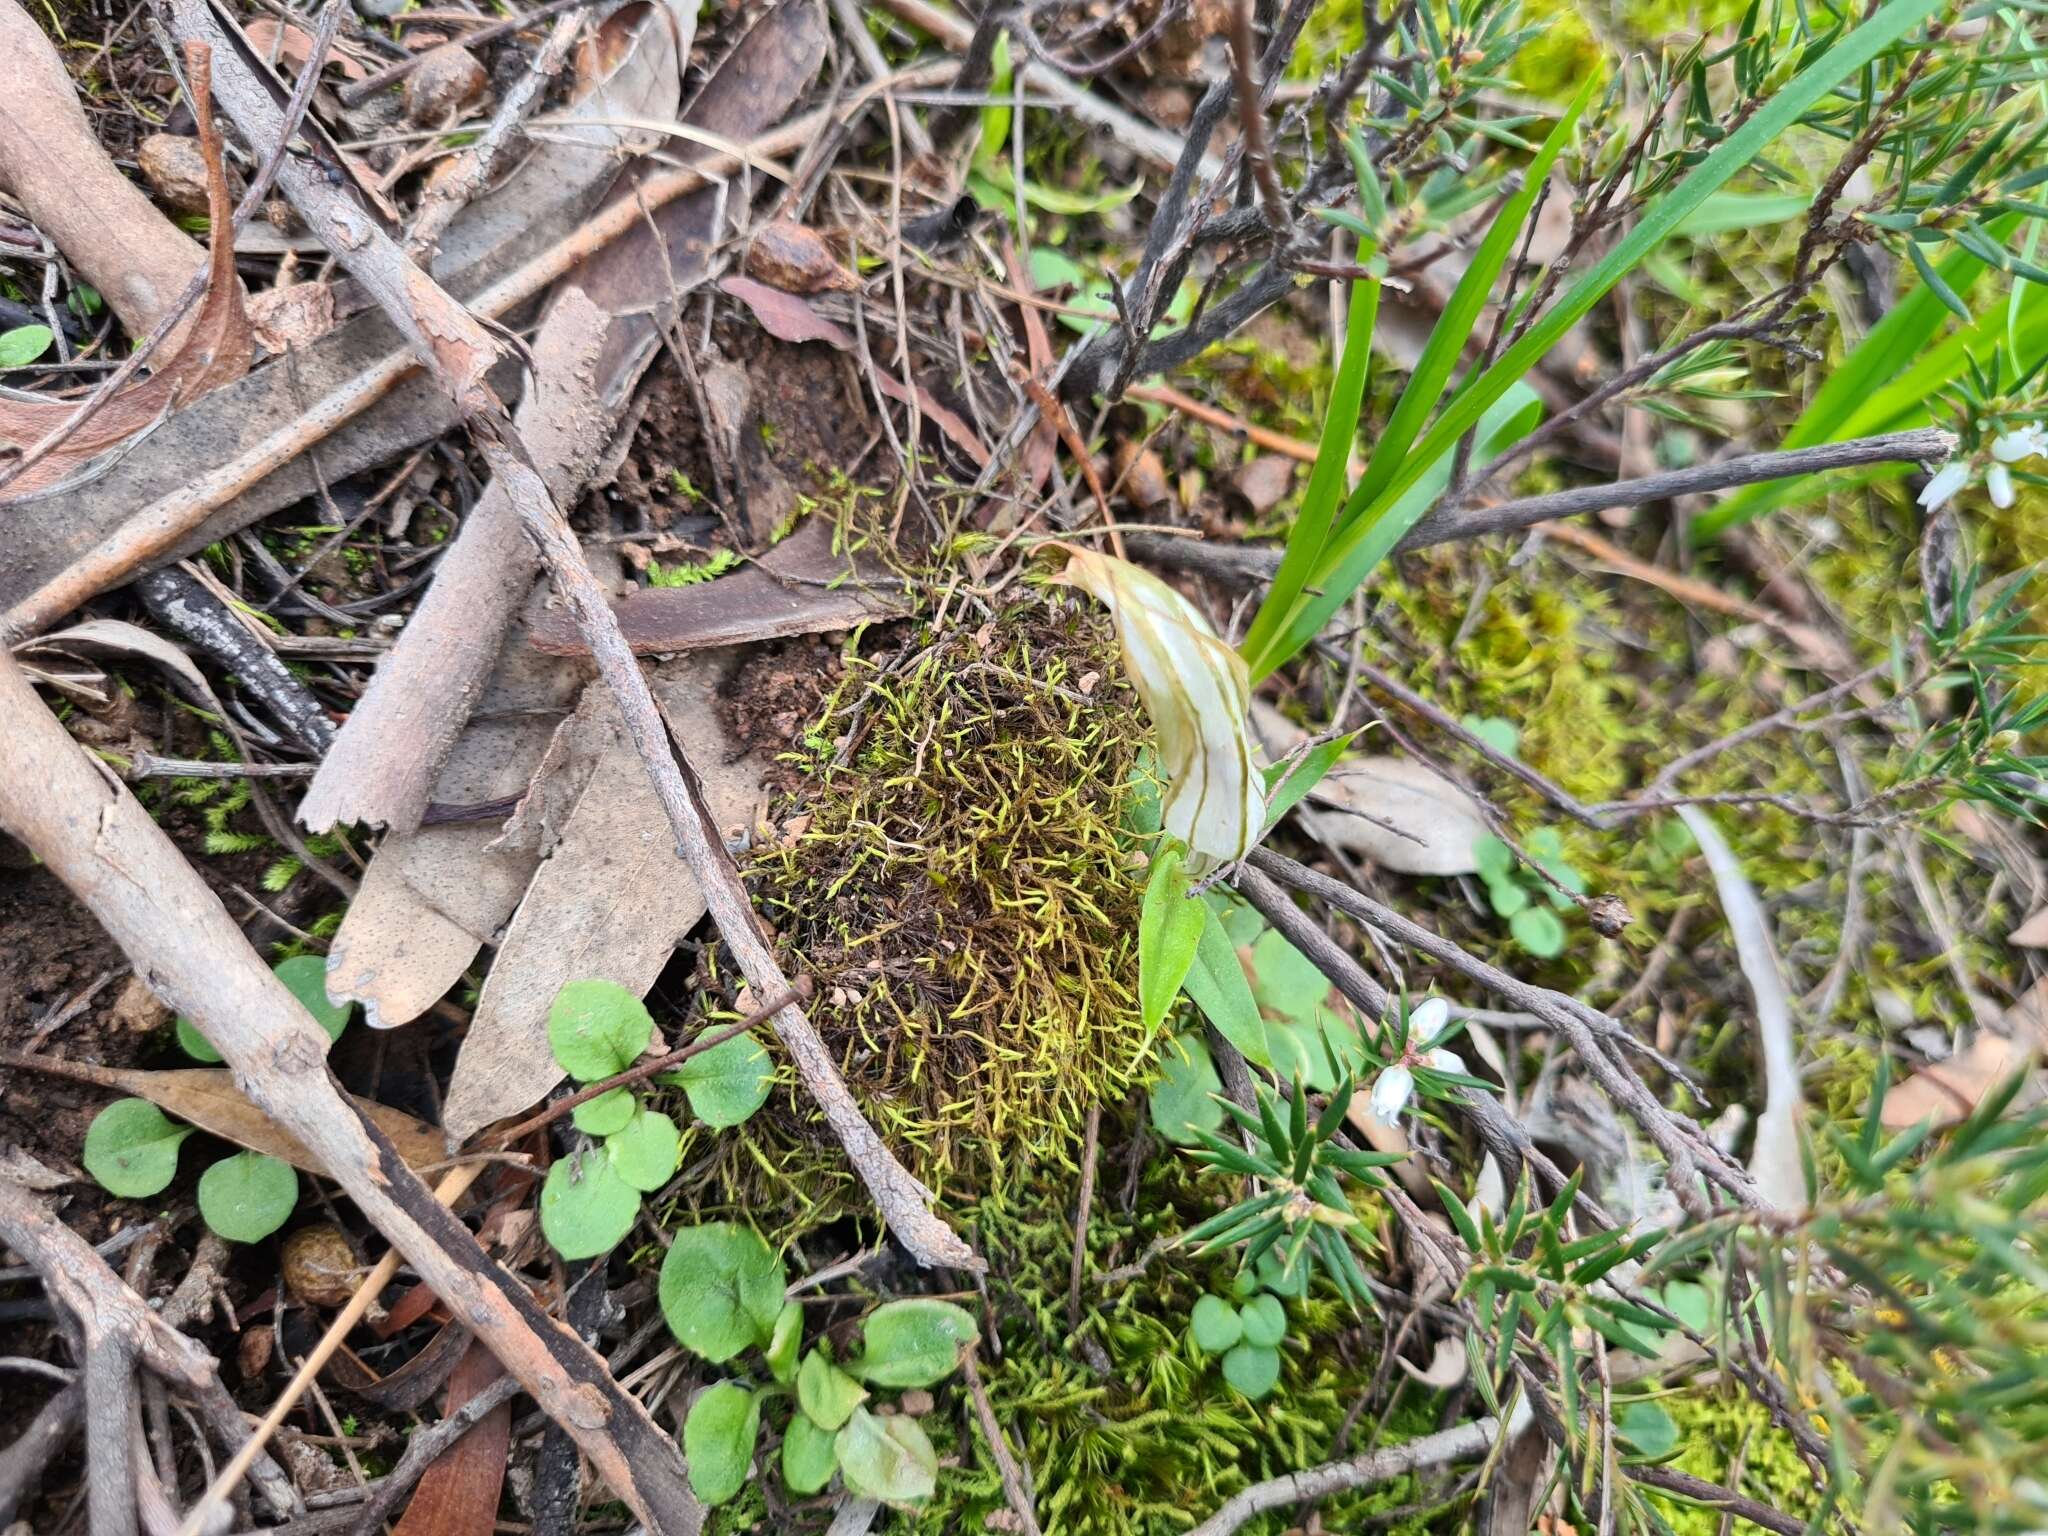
[1390, 1093]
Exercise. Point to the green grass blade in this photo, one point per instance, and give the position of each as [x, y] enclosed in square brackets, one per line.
[1370, 533]
[1902, 335]
[1895, 387]
[1447, 338]
[1326, 480]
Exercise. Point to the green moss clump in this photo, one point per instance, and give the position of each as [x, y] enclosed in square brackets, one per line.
[960, 892]
[1151, 1445]
[1719, 1430]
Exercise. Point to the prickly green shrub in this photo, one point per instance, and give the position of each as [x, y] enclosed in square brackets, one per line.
[1160, 1438]
[955, 882]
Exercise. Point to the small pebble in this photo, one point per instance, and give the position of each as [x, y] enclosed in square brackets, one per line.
[175, 171]
[320, 1268]
[446, 80]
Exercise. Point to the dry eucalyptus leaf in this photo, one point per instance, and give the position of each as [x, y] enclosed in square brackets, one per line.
[433, 897]
[1409, 818]
[612, 900]
[1947, 1092]
[215, 348]
[208, 1098]
[2033, 933]
[1447, 1365]
[1399, 813]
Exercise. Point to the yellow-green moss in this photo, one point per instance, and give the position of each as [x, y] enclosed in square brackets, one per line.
[1716, 1428]
[959, 889]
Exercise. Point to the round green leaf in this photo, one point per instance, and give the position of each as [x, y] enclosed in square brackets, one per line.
[887, 1459]
[131, 1147]
[597, 1029]
[783, 1343]
[1184, 1098]
[646, 1152]
[586, 1209]
[607, 1114]
[1538, 931]
[1646, 1426]
[1254, 1369]
[809, 1456]
[305, 977]
[1507, 896]
[912, 1343]
[721, 1289]
[23, 345]
[718, 1438]
[727, 1083]
[1284, 980]
[1216, 1325]
[1280, 1277]
[194, 1044]
[1265, 1321]
[827, 1393]
[1493, 857]
[247, 1197]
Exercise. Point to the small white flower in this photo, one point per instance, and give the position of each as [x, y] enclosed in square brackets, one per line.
[1390, 1091]
[1426, 1020]
[1944, 484]
[2028, 442]
[1998, 481]
[1441, 1060]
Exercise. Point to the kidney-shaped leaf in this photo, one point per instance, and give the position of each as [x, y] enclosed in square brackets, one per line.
[131, 1147]
[646, 1152]
[912, 1343]
[718, 1438]
[887, 1459]
[727, 1083]
[597, 1029]
[247, 1197]
[721, 1289]
[586, 1209]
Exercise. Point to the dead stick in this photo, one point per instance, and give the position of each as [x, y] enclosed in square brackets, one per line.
[97, 839]
[1462, 1442]
[1083, 1207]
[1016, 1486]
[1922, 445]
[159, 526]
[114, 1321]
